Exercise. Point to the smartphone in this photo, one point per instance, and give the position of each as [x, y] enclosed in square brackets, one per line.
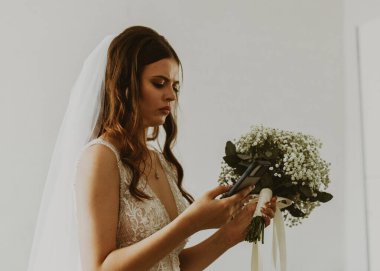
[251, 176]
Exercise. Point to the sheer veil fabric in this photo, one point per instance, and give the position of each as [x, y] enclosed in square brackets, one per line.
[55, 244]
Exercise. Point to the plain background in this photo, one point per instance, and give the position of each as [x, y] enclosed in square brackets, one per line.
[288, 64]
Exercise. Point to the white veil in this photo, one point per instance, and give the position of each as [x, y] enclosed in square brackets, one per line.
[55, 246]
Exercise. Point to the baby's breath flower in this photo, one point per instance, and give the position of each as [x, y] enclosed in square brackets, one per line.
[298, 160]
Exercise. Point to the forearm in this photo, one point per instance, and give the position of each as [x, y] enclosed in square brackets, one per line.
[203, 254]
[147, 252]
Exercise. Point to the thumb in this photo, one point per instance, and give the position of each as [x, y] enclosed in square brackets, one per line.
[220, 189]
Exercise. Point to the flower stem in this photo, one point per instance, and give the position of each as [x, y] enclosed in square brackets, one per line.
[256, 230]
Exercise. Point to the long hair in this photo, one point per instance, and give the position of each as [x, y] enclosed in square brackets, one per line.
[121, 119]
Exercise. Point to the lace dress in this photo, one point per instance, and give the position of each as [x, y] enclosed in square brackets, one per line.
[140, 219]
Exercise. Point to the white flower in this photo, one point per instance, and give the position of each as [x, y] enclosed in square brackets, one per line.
[299, 160]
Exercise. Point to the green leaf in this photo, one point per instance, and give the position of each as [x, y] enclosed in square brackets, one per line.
[244, 156]
[294, 211]
[244, 163]
[230, 148]
[232, 160]
[281, 183]
[306, 191]
[324, 196]
[240, 169]
[266, 181]
[275, 153]
[254, 152]
[269, 154]
[313, 199]
[257, 188]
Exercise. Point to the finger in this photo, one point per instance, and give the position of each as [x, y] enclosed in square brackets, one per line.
[237, 206]
[251, 207]
[220, 189]
[245, 212]
[268, 211]
[266, 221]
[241, 194]
[271, 204]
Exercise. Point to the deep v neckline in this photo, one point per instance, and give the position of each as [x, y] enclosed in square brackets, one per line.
[169, 182]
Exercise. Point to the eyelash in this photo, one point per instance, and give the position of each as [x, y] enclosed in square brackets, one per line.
[157, 85]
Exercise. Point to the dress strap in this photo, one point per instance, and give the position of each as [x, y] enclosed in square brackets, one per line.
[106, 143]
[109, 145]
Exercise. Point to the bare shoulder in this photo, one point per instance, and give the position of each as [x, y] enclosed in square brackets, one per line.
[97, 166]
[97, 201]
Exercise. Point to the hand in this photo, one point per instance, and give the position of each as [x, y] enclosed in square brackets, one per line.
[235, 230]
[208, 212]
[269, 210]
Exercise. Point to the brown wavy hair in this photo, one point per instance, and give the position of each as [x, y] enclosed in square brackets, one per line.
[121, 120]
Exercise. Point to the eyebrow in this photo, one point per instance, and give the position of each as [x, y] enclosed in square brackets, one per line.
[164, 77]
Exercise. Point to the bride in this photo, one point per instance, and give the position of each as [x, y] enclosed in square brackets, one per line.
[111, 200]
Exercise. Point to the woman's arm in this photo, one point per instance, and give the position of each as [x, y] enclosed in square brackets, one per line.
[97, 194]
[203, 254]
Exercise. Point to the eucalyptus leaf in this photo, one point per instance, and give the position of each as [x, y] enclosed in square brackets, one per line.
[240, 169]
[254, 152]
[324, 196]
[269, 154]
[306, 191]
[244, 156]
[230, 148]
[257, 189]
[266, 181]
[231, 160]
[281, 186]
[244, 163]
[287, 184]
[294, 211]
[276, 153]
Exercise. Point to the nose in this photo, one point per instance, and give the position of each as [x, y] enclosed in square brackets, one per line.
[171, 94]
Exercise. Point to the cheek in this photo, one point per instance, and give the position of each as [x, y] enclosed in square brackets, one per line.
[149, 99]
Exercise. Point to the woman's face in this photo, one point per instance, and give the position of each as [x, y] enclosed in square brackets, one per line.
[159, 86]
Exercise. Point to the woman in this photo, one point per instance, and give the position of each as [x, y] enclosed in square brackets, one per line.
[131, 210]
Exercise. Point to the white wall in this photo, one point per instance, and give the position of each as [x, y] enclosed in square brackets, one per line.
[369, 64]
[278, 63]
[357, 14]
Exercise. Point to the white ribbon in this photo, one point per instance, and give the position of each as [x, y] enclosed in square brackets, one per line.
[278, 242]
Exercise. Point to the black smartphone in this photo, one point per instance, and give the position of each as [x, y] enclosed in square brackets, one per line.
[251, 176]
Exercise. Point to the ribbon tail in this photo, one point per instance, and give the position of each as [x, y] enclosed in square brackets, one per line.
[278, 243]
[275, 242]
[256, 264]
[279, 240]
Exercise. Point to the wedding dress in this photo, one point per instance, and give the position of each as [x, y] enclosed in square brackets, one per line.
[140, 219]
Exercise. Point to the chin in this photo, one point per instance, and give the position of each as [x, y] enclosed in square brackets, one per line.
[157, 122]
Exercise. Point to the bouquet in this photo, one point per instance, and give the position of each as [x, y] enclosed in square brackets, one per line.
[297, 173]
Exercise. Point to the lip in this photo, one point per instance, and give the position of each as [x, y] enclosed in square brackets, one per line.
[165, 108]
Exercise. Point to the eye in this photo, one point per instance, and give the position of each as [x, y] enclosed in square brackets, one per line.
[176, 88]
[159, 85]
